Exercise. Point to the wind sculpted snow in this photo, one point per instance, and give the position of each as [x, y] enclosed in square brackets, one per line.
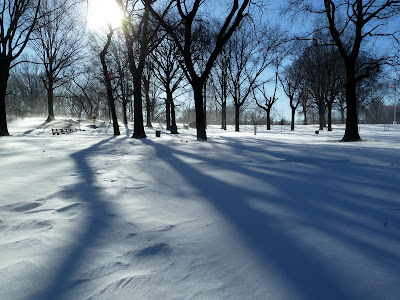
[279, 215]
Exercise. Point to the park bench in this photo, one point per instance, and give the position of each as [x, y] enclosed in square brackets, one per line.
[337, 128]
[64, 131]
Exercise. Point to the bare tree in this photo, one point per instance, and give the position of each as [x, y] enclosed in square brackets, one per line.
[197, 77]
[315, 80]
[292, 81]
[57, 43]
[120, 63]
[251, 52]
[269, 101]
[353, 23]
[25, 93]
[148, 77]
[141, 38]
[170, 75]
[220, 84]
[306, 106]
[84, 90]
[18, 19]
[107, 79]
[323, 75]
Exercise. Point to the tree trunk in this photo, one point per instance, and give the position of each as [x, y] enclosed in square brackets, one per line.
[351, 133]
[174, 128]
[124, 100]
[168, 104]
[123, 94]
[224, 97]
[4, 75]
[124, 110]
[50, 99]
[321, 113]
[237, 117]
[148, 103]
[293, 115]
[268, 118]
[205, 104]
[138, 128]
[329, 104]
[198, 103]
[223, 115]
[110, 96]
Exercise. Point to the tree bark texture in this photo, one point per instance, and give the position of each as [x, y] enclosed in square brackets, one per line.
[138, 128]
[50, 99]
[107, 79]
[237, 117]
[293, 108]
[321, 113]
[174, 128]
[351, 133]
[223, 116]
[329, 104]
[4, 75]
[198, 104]
[168, 108]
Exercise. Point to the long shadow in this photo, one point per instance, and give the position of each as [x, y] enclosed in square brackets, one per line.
[310, 275]
[99, 219]
[41, 126]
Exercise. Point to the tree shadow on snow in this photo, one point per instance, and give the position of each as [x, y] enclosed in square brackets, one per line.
[99, 218]
[314, 212]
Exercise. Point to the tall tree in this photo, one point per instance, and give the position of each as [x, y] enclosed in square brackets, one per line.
[323, 75]
[306, 106]
[25, 92]
[121, 67]
[147, 80]
[269, 101]
[352, 24]
[18, 19]
[188, 14]
[315, 79]
[57, 43]
[141, 38]
[220, 84]
[251, 52]
[292, 81]
[107, 79]
[170, 75]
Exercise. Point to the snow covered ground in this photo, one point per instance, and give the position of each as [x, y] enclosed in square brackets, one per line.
[277, 215]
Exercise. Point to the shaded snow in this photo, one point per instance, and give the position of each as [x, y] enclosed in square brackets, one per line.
[279, 215]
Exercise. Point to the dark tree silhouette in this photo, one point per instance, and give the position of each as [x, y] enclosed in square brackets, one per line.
[220, 84]
[58, 44]
[268, 101]
[187, 12]
[250, 54]
[351, 24]
[292, 81]
[140, 39]
[107, 79]
[18, 19]
[323, 75]
[170, 75]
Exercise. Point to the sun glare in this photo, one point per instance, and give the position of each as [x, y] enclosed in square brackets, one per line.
[103, 12]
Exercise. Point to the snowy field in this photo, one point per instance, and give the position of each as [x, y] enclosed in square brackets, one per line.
[277, 215]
